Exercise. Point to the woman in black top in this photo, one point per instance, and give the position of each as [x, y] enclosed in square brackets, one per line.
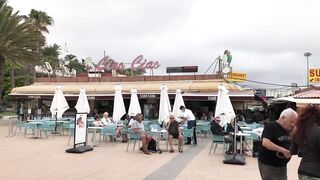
[307, 136]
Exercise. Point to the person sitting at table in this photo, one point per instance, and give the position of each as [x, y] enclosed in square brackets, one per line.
[216, 128]
[229, 139]
[98, 122]
[174, 132]
[138, 127]
[106, 119]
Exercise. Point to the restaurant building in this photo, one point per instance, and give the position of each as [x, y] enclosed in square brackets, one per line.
[199, 92]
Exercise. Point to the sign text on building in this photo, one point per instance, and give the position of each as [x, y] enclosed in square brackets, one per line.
[314, 75]
[237, 76]
[139, 62]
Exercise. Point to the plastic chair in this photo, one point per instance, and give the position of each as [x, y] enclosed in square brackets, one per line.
[29, 126]
[217, 139]
[133, 137]
[206, 128]
[111, 131]
[188, 133]
[71, 131]
[46, 127]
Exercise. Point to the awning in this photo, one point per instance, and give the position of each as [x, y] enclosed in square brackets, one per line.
[189, 87]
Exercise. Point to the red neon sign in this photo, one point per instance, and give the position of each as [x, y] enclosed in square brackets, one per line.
[139, 62]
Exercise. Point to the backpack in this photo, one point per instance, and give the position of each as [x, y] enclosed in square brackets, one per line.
[152, 146]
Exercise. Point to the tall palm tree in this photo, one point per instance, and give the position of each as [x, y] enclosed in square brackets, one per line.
[18, 40]
[41, 20]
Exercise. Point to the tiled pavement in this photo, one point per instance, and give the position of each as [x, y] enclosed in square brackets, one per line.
[25, 158]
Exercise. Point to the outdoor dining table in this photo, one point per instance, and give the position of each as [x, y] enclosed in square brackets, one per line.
[241, 135]
[159, 133]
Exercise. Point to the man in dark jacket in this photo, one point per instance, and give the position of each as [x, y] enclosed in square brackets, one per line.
[216, 128]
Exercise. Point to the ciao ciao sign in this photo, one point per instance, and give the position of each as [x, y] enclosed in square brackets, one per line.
[139, 62]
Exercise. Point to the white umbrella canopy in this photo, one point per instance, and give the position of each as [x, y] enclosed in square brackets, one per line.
[224, 107]
[82, 105]
[118, 105]
[177, 103]
[59, 103]
[134, 106]
[164, 107]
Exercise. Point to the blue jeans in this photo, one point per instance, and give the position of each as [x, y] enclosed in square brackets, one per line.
[191, 124]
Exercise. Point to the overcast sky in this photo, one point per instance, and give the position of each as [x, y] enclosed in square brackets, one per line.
[267, 38]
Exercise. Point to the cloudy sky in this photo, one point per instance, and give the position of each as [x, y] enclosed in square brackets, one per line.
[267, 38]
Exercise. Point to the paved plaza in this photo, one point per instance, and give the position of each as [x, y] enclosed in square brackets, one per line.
[27, 158]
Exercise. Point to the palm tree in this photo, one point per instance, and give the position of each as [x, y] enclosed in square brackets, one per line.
[41, 20]
[18, 40]
[51, 55]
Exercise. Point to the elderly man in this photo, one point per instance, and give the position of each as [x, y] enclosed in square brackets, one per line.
[174, 132]
[216, 128]
[274, 154]
[138, 127]
[106, 119]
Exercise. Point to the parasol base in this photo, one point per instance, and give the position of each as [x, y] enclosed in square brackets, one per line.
[79, 149]
[235, 159]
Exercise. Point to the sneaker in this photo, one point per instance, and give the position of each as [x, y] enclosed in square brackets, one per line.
[187, 143]
[171, 150]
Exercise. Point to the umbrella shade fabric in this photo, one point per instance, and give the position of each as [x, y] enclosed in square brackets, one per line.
[134, 106]
[177, 103]
[224, 107]
[82, 105]
[164, 107]
[118, 105]
[59, 103]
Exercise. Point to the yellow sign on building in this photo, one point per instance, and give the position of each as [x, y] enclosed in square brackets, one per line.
[237, 76]
[314, 75]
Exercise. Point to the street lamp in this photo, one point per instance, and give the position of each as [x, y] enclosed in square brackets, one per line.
[307, 54]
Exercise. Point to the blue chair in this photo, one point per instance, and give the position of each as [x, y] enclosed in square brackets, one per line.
[133, 137]
[28, 126]
[47, 127]
[188, 133]
[206, 128]
[71, 131]
[217, 139]
[111, 131]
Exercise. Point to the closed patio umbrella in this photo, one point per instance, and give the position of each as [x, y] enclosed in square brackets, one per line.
[224, 107]
[118, 105]
[82, 105]
[177, 103]
[59, 103]
[164, 107]
[134, 106]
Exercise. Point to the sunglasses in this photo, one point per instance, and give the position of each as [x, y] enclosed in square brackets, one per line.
[171, 117]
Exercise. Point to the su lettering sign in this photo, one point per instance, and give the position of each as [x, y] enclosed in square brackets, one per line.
[139, 62]
[314, 75]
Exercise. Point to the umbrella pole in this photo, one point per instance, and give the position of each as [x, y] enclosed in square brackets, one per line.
[55, 125]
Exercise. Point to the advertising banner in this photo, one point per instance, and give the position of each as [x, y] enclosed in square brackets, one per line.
[80, 128]
[314, 75]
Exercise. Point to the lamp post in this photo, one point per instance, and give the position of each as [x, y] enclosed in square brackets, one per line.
[307, 54]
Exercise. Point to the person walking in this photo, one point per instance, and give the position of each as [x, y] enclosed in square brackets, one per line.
[274, 154]
[307, 137]
[191, 122]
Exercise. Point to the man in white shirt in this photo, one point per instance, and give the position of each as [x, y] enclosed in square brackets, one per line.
[191, 122]
[138, 127]
[106, 119]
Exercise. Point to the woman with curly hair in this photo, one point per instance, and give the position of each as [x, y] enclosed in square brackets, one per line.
[307, 137]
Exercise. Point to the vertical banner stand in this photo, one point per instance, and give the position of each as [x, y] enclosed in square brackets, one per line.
[80, 135]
